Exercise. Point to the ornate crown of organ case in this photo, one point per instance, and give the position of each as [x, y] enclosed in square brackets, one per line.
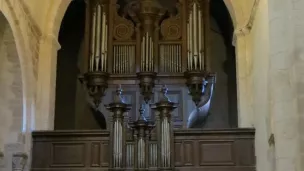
[149, 42]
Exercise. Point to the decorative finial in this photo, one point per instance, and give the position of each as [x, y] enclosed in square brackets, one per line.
[164, 89]
[163, 94]
[117, 97]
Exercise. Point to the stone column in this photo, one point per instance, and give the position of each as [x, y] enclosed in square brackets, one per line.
[46, 83]
[244, 77]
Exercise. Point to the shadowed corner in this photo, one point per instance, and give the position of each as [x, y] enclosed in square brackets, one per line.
[100, 118]
[1, 159]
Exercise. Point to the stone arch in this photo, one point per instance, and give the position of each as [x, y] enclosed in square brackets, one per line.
[27, 77]
[231, 10]
[55, 16]
[11, 86]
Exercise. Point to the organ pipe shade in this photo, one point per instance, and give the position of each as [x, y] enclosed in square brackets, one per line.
[98, 39]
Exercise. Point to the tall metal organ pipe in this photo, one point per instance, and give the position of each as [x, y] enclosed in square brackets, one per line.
[195, 37]
[147, 53]
[98, 39]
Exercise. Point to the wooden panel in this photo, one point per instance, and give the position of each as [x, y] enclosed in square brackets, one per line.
[214, 150]
[188, 153]
[61, 150]
[178, 153]
[210, 150]
[105, 154]
[67, 154]
[95, 157]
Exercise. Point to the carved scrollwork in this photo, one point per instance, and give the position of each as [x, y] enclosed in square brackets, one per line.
[123, 28]
[171, 27]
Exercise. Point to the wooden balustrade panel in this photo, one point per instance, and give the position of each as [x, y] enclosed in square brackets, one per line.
[194, 150]
[70, 150]
[214, 150]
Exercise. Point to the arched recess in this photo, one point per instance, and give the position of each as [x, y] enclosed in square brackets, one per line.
[57, 12]
[11, 86]
[223, 63]
[72, 111]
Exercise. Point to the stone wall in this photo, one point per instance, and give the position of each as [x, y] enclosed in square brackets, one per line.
[298, 19]
[11, 96]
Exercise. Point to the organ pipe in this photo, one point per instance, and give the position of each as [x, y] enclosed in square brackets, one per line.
[99, 38]
[142, 129]
[170, 58]
[123, 57]
[195, 38]
[147, 54]
[118, 107]
[164, 130]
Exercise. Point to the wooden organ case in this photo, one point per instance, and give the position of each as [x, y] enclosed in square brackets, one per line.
[143, 45]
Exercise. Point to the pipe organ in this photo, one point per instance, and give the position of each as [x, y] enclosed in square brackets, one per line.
[148, 42]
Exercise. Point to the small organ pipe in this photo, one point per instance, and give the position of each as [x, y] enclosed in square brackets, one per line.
[98, 31]
[114, 59]
[162, 59]
[151, 55]
[103, 32]
[147, 51]
[191, 43]
[124, 56]
[195, 29]
[170, 58]
[200, 39]
[93, 40]
[188, 45]
[179, 58]
[103, 41]
[97, 55]
[106, 48]
[120, 144]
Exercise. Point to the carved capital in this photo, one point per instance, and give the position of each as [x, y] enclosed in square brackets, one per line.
[50, 39]
[19, 161]
[244, 27]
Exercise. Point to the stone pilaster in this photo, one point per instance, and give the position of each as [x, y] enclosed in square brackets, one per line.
[46, 83]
